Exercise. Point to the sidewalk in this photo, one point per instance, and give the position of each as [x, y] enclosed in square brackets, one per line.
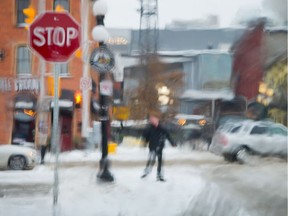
[134, 156]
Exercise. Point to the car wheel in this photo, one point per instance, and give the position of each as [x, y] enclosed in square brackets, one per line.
[228, 157]
[17, 162]
[242, 155]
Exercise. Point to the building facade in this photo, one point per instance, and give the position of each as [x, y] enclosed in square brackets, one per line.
[25, 91]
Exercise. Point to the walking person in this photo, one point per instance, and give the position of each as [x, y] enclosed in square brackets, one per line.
[43, 135]
[155, 135]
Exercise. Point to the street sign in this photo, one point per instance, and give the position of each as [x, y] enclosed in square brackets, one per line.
[121, 112]
[55, 36]
[102, 59]
[85, 83]
[106, 87]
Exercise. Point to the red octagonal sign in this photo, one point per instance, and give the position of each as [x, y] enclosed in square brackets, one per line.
[54, 36]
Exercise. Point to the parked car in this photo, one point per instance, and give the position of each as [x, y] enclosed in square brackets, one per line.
[17, 157]
[234, 140]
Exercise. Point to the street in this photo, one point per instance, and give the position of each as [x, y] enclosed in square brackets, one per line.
[198, 183]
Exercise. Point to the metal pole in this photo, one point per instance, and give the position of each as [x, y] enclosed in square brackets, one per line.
[55, 141]
[104, 173]
[85, 47]
[41, 9]
[55, 134]
[104, 118]
[42, 63]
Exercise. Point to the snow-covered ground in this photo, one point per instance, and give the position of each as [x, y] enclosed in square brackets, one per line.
[198, 183]
[80, 194]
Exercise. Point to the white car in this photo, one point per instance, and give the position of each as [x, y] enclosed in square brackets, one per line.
[17, 157]
[235, 140]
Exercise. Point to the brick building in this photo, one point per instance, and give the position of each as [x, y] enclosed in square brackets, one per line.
[248, 61]
[21, 82]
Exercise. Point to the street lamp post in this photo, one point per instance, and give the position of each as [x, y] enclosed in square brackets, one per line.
[103, 61]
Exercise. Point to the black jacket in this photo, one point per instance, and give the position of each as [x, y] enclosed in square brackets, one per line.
[156, 136]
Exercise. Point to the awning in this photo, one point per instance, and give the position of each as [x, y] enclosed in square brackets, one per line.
[66, 100]
[25, 101]
[64, 105]
[193, 94]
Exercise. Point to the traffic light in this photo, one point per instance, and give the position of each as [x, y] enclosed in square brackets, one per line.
[78, 99]
[59, 8]
[30, 13]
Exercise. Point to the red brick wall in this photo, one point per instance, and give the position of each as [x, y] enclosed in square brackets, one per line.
[11, 37]
[248, 63]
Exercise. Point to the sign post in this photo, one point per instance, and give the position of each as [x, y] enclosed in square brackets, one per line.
[102, 60]
[55, 36]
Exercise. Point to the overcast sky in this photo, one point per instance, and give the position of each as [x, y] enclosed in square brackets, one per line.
[123, 13]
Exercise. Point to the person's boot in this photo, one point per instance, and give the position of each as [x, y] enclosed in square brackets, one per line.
[146, 172]
[160, 178]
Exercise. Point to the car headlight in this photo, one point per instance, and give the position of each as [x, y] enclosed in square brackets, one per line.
[181, 122]
[202, 122]
[32, 154]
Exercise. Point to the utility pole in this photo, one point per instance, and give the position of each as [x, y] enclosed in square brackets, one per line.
[148, 29]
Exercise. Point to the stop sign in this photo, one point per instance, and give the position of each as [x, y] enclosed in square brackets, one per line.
[54, 36]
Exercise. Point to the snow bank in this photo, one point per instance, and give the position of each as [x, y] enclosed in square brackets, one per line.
[212, 201]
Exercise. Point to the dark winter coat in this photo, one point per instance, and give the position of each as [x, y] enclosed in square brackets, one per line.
[156, 136]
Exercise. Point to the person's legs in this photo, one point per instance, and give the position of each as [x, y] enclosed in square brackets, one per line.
[159, 167]
[43, 151]
[150, 163]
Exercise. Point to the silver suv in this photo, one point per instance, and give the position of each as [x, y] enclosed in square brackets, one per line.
[237, 139]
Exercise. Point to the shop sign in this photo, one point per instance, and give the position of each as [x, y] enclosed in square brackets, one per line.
[26, 84]
[19, 84]
[6, 84]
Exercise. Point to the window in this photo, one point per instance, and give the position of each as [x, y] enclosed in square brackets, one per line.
[278, 131]
[235, 129]
[23, 61]
[259, 130]
[62, 68]
[20, 5]
[63, 3]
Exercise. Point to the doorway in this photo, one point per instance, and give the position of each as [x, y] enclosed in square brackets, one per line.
[66, 132]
